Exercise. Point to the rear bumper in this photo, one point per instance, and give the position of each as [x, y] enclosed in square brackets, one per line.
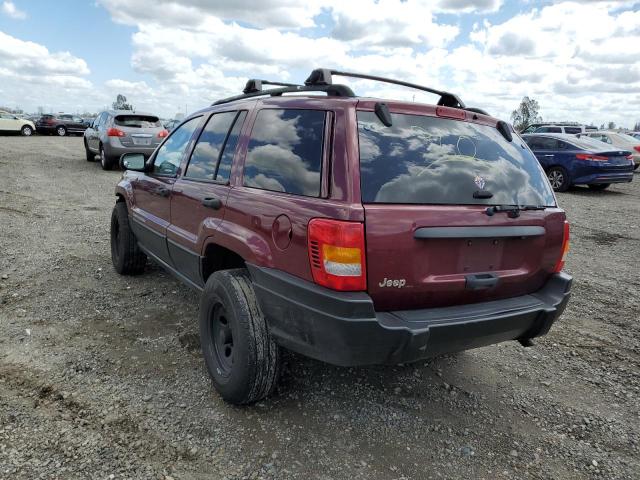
[343, 328]
[114, 148]
[604, 177]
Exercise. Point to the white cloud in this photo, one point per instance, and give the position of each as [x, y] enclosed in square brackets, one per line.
[390, 23]
[10, 9]
[32, 75]
[194, 14]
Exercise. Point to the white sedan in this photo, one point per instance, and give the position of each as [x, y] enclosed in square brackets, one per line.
[12, 123]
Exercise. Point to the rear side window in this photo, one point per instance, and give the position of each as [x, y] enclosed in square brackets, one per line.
[429, 160]
[137, 121]
[572, 130]
[285, 152]
[549, 130]
[209, 149]
[224, 165]
[542, 143]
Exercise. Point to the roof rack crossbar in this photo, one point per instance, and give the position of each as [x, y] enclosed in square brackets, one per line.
[255, 85]
[323, 76]
[331, 90]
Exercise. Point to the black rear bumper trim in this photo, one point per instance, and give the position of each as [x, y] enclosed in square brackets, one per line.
[343, 328]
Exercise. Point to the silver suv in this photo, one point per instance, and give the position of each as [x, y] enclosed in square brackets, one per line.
[115, 132]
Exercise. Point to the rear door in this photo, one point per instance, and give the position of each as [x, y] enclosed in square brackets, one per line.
[199, 196]
[430, 242]
[7, 122]
[92, 133]
[152, 191]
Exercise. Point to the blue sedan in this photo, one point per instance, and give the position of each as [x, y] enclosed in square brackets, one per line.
[569, 160]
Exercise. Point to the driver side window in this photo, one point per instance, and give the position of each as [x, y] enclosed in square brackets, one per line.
[170, 154]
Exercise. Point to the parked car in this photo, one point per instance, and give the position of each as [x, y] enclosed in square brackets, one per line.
[115, 132]
[12, 123]
[635, 135]
[60, 124]
[621, 141]
[353, 230]
[569, 160]
[568, 128]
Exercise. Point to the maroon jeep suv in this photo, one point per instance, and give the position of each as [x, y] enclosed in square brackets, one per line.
[352, 230]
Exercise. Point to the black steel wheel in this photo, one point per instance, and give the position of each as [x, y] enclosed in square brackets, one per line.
[241, 356]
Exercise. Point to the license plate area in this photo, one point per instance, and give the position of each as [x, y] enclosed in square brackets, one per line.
[141, 141]
[481, 254]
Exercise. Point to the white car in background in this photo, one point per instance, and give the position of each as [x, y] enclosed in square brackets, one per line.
[12, 123]
[619, 140]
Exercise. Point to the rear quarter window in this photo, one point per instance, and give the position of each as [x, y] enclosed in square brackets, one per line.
[430, 160]
[285, 151]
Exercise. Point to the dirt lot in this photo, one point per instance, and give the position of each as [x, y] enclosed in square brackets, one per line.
[101, 376]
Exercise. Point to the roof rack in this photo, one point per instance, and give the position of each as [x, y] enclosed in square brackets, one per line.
[324, 76]
[321, 80]
[253, 88]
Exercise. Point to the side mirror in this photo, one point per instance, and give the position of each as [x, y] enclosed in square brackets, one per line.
[133, 161]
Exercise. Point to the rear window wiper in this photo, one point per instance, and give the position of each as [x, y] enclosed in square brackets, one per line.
[513, 211]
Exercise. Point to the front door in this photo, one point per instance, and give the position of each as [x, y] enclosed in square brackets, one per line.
[152, 192]
[199, 196]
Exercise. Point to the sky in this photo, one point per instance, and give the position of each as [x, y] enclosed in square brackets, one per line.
[579, 60]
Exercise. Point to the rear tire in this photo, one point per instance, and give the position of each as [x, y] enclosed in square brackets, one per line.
[599, 186]
[61, 131]
[242, 358]
[26, 131]
[105, 162]
[126, 255]
[559, 179]
[91, 157]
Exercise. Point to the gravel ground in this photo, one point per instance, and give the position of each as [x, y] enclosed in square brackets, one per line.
[101, 375]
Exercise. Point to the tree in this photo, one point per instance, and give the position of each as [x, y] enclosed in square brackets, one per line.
[121, 103]
[636, 127]
[611, 125]
[526, 114]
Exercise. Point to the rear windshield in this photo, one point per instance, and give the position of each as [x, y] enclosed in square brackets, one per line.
[588, 143]
[430, 160]
[137, 121]
[627, 138]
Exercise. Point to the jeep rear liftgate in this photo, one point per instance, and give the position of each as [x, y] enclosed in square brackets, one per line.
[454, 213]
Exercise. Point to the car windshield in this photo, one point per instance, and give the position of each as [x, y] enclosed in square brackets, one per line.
[137, 121]
[430, 160]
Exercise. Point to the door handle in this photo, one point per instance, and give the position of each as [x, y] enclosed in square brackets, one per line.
[163, 192]
[481, 281]
[548, 155]
[214, 203]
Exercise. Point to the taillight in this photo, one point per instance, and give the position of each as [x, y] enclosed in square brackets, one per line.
[163, 133]
[629, 157]
[637, 148]
[115, 132]
[588, 156]
[565, 248]
[337, 255]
